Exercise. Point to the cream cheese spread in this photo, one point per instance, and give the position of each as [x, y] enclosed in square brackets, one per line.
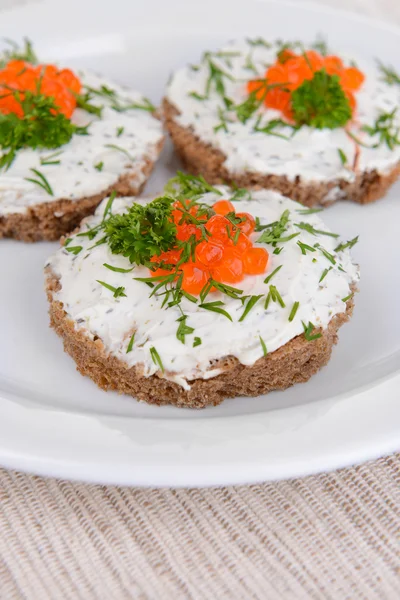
[319, 280]
[117, 144]
[313, 154]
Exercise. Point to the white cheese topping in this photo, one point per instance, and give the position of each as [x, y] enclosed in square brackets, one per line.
[96, 312]
[136, 133]
[311, 153]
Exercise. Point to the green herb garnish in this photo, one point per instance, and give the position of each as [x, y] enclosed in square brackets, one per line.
[99, 166]
[49, 159]
[321, 102]
[293, 311]
[41, 181]
[156, 358]
[275, 296]
[119, 149]
[83, 102]
[131, 342]
[311, 229]
[305, 247]
[308, 332]
[309, 211]
[270, 276]
[324, 274]
[263, 346]
[143, 231]
[259, 41]
[342, 156]
[348, 244]
[73, 249]
[188, 186]
[327, 254]
[41, 126]
[252, 301]
[196, 342]
[389, 74]
[117, 291]
[216, 307]
[26, 53]
[348, 297]
[386, 129]
[183, 329]
[117, 269]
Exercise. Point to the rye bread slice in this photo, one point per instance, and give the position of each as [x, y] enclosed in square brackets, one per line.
[202, 158]
[295, 362]
[51, 220]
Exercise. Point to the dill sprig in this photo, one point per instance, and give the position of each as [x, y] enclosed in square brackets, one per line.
[308, 332]
[117, 291]
[188, 186]
[131, 342]
[40, 181]
[270, 276]
[305, 247]
[216, 76]
[311, 229]
[270, 127]
[386, 128]
[116, 102]
[263, 346]
[293, 312]
[348, 244]
[389, 75]
[183, 329]
[275, 296]
[26, 53]
[216, 307]
[156, 358]
[252, 301]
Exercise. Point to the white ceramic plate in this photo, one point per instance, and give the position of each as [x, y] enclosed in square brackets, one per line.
[55, 422]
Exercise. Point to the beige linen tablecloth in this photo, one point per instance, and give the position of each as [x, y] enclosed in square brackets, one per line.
[332, 536]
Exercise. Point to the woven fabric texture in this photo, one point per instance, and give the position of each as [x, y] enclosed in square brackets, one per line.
[331, 536]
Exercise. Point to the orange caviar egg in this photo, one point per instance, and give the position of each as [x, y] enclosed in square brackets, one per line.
[248, 225]
[255, 261]
[185, 231]
[352, 79]
[194, 278]
[171, 257]
[209, 253]
[230, 270]
[240, 244]
[218, 226]
[333, 65]
[223, 207]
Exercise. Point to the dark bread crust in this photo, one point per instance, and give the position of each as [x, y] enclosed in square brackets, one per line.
[202, 158]
[40, 222]
[295, 362]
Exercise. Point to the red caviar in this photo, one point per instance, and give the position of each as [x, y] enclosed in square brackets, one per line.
[293, 69]
[225, 254]
[17, 75]
[223, 207]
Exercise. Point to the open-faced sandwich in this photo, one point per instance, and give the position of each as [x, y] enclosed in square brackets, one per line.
[315, 126]
[67, 139]
[200, 294]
